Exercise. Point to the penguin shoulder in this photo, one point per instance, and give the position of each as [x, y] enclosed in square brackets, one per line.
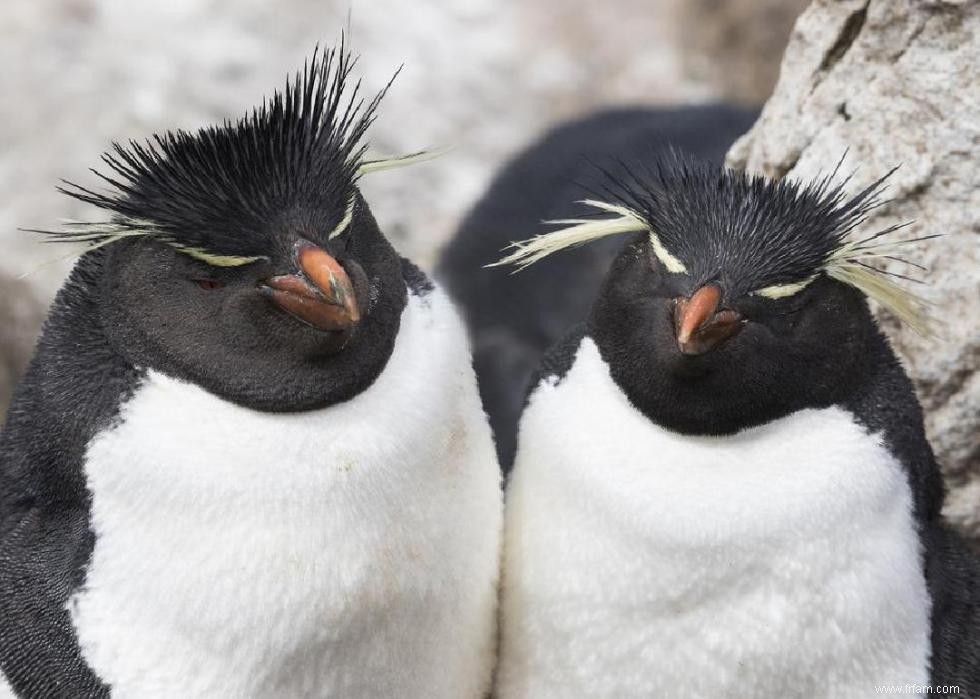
[416, 280]
[72, 391]
[558, 360]
[884, 403]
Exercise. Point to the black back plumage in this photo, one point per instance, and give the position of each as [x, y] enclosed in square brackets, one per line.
[72, 389]
[224, 189]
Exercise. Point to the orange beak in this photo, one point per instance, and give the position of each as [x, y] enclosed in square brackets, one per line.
[699, 325]
[321, 296]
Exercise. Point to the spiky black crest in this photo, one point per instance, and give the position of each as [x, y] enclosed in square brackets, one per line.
[221, 191]
[759, 231]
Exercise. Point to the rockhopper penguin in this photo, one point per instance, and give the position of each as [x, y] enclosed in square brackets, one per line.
[248, 458]
[515, 319]
[722, 485]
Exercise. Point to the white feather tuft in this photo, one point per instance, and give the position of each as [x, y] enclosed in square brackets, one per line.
[100, 234]
[779, 291]
[671, 263]
[909, 308]
[96, 235]
[576, 232]
[527, 252]
[214, 260]
[369, 166]
[345, 221]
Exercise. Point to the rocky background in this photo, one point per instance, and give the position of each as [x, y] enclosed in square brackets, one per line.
[887, 78]
[895, 82]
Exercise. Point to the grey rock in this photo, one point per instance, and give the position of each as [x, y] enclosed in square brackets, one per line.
[894, 82]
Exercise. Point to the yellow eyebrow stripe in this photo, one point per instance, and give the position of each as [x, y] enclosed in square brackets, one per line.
[778, 291]
[345, 221]
[217, 260]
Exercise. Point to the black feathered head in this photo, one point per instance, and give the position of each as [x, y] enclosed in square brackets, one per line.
[243, 258]
[737, 300]
[218, 193]
[753, 235]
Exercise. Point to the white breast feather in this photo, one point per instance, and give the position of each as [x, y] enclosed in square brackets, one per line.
[779, 562]
[345, 552]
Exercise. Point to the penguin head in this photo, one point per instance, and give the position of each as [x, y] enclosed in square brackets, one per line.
[738, 299]
[243, 257]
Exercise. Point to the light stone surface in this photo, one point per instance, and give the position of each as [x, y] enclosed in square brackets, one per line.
[894, 82]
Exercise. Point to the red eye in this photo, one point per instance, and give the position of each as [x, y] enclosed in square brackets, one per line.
[209, 284]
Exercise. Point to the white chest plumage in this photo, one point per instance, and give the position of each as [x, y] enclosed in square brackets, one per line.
[348, 552]
[779, 562]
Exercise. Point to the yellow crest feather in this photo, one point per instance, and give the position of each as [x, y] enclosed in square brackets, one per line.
[908, 307]
[368, 166]
[214, 260]
[576, 232]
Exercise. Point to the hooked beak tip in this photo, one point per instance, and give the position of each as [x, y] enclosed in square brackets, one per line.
[699, 325]
[320, 295]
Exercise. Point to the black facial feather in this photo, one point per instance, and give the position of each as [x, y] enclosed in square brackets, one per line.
[225, 189]
[754, 231]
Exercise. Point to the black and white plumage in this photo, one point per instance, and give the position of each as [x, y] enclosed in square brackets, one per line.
[248, 457]
[722, 484]
[515, 318]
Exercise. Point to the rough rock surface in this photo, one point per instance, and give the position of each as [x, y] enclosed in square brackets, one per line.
[484, 75]
[894, 82]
